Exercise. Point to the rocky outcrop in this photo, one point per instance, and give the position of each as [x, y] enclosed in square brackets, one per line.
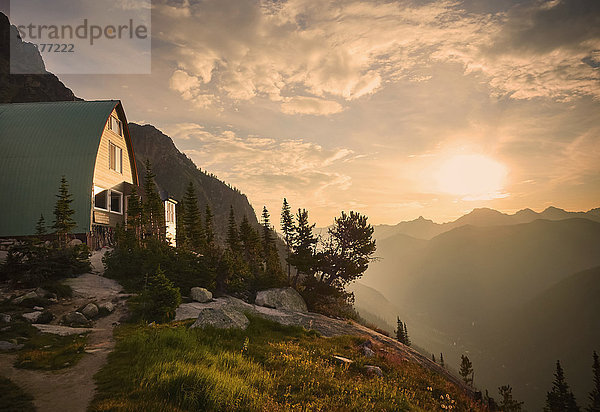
[201, 295]
[284, 299]
[221, 318]
[60, 330]
[90, 311]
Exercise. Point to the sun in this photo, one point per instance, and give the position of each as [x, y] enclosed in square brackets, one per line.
[473, 176]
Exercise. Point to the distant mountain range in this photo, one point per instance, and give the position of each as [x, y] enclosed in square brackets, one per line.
[482, 287]
[422, 228]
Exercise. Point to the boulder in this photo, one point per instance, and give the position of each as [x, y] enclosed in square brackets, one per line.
[41, 292]
[284, 299]
[201, 295]
[106, 307]
[90, 311]
[4, 345]
[368, 352]
[75, 242]
[373, 370]
[221, 318]
[32, 316]
[30, 295]
[60, 330]
[5, 317]
[341, 360]
[76, 319]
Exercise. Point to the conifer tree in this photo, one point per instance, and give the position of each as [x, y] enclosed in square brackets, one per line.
[560, 398]
[433, 358]
[154, 213]
[40, 227]
[192, 220]
[401, 334]
[134, 214]
[304, 242]
[595, 393]
[63, 220]
[442, 364]
[233, 239]
[267, 234]
[407, 341]
[252, 247]
[466, 370]
[287, 227]
[508, 404]
[209, 230]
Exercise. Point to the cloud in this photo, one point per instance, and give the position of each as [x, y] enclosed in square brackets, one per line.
[310, 105]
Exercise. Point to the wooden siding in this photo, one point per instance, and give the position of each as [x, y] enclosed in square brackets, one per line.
[106, 178]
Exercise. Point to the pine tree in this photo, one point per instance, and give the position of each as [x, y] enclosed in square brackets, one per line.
[442, 364]
[233, 238]
[40, 227]
[508, 404]
[134, 214]
[304, 242]
[180, 235]
[407, 341]
[466, 370]
[560, 398]
[154, 213]
[267, 233]
[209, 230]
[160, 298]
[287, 227]
[63, 220]
[595, 393]
[400, 331]
[192, 221]
[433, 358]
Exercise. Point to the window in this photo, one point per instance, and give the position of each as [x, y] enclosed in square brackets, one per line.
[101, 200]
[116, 201]
[115, 157]
[170, 212]
[115, 125]
[108, 200]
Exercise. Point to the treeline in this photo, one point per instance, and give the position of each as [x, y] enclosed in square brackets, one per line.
[319, 268]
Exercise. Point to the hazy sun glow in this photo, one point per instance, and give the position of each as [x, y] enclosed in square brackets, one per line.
[474, 176]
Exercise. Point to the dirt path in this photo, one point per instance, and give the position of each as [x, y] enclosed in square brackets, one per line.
[72, 389]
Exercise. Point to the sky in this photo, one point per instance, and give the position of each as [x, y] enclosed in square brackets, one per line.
[395, 109]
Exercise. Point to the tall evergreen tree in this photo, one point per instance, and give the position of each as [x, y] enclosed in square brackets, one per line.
[180, 235]
[192, 221]
[233, 238]
[287, 227]
[466, 370]
[433, 358]
[508, 404]
[595, 393]
[407, 341]
[560, 398]
[63, 214]
[442, 364]
[40, 226]
[134, 214]
[267, 234]
[154, 212]
[252, 248]
[209, 230]
[304, 243]
[400, 331]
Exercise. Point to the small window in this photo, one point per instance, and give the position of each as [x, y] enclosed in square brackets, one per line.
[115, 157]
[115, 125]
[101, 200]
[170, 212]
[116, 202]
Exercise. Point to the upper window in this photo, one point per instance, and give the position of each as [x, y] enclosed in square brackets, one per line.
[115, 157]
[170, 212]
[115, 125]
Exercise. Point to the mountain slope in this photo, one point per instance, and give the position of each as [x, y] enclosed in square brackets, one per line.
[458, 288]
[174, 171]
[19, 88]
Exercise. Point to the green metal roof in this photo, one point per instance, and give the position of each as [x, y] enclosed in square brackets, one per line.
[39, 143]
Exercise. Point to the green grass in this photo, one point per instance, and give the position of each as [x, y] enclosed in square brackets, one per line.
[43, 351]
[51, 352]
[13, 398]
[266, 367]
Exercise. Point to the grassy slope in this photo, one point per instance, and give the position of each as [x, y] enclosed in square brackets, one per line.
[266, 367]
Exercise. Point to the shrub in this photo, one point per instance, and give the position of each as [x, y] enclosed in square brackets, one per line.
[158, 301]
[32, 263]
